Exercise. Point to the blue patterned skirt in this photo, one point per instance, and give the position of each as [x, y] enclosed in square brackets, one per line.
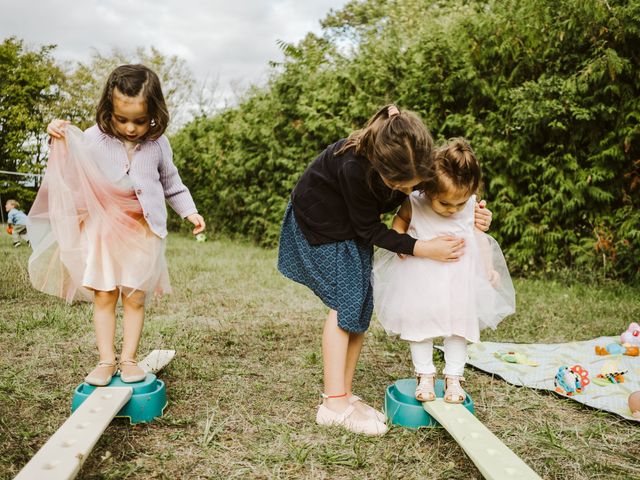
[338, 273]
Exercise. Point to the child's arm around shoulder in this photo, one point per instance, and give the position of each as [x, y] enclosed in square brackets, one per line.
[402, 218]
[175, 191]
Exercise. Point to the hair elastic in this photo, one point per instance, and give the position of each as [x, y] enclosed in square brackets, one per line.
[392, 111]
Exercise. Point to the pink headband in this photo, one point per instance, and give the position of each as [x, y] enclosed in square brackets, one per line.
[392, 111]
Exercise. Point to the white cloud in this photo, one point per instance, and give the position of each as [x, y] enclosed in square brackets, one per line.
[232, 41]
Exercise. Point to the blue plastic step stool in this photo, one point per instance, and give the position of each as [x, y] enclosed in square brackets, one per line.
[148, 400]
[402, 408]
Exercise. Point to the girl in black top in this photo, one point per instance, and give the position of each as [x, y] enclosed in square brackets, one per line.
[330, 227]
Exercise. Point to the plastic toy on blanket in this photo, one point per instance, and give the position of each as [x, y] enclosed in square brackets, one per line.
[571, 380]
[515, 357]
[629, 343]
[617, 349]
[609, 374]
[632, 335]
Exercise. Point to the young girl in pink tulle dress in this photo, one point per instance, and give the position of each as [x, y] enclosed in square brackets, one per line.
[420, 299]
[98, 223]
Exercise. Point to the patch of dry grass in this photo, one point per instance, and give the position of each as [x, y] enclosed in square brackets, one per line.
[244, 384]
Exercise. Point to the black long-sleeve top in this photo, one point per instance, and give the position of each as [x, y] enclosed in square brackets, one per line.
[340, 197]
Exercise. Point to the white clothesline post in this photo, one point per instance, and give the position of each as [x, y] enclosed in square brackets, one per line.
[22, 174]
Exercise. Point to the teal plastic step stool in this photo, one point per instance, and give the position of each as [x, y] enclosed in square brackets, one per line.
[147, 402]
[402, 408]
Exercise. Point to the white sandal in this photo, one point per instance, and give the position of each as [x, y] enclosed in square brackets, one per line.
[453, 390]
[425, 387]
[369, 410]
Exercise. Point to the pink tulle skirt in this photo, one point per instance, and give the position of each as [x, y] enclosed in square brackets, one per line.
[87, 228]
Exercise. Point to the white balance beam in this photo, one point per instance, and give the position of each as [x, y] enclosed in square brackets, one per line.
[67, 449]
[65, 452]
[492, 457]
[156, 360]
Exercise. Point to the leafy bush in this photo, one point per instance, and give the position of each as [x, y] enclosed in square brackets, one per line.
[547, 93]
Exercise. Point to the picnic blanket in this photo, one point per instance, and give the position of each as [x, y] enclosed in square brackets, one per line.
[612, 397]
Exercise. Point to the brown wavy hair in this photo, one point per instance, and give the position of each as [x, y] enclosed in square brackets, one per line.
[398, 145]
[134, 80]
[454, 164]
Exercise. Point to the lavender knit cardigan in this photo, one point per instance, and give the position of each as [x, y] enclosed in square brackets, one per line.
[154, 176]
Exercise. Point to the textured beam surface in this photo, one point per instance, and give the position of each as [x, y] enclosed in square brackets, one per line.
[156, 360]
[65, 452]
[492, 457]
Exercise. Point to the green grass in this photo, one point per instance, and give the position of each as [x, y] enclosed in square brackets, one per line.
[245, 382]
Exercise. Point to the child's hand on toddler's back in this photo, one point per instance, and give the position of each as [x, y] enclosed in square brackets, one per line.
[443, 249]
[57, 127]
[482, 216]
[198, 221]
[494, 278]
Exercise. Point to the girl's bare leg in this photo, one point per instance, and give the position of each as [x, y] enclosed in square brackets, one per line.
[354, 348]
[356, 340]
[334, 354]
[132, 323]
[104, 322]
[335, 348]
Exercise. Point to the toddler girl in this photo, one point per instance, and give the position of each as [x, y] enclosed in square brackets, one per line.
[423, 298]
[99, 220]
[329, 229]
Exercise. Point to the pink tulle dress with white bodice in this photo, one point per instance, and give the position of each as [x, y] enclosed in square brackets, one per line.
[87, 228]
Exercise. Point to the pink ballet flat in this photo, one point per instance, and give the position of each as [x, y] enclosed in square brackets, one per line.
[369, 426]
[102, 374]
[369, 410]
[130, 372]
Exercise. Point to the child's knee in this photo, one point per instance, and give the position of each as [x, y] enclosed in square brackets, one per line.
[103, 298]
[134, 299]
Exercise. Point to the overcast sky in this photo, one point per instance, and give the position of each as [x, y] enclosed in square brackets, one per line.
[228, 40]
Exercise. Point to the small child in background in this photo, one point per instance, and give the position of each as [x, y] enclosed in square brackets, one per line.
[99, 222]
[420, 299]
[17, 221]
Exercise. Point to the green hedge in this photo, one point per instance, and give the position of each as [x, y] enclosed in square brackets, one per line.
[547, 92]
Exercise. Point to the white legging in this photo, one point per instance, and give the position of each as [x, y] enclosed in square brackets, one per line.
[455, 356]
